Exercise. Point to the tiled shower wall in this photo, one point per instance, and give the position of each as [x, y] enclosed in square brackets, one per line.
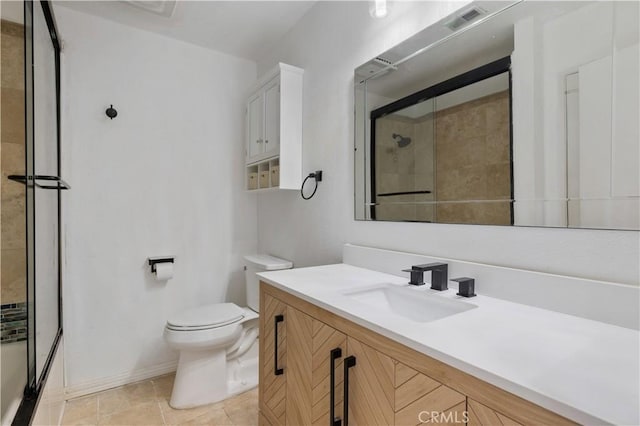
[408, 168]
[12, 224]
[473, 154]
[470, 162]
[13, 322]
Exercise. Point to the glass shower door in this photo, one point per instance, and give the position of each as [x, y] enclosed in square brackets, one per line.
[41, 183]
[46, 193]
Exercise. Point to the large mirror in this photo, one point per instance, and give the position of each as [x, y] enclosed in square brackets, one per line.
[520, 113]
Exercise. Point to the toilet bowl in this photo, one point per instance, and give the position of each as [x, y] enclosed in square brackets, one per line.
[218, 343]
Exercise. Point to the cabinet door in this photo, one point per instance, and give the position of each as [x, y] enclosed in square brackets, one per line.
[481, 415]
[370, 386]
[314, 355]
[273, 359]
[329, 349]
[420, 399]
[255, 126]
[272, 118]
[299, 353]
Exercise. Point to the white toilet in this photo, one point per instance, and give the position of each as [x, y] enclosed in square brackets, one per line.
[218, 343]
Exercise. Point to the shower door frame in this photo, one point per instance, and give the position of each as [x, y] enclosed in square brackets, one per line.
[35, 385]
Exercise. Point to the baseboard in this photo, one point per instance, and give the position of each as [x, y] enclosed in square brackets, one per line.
[97, 385]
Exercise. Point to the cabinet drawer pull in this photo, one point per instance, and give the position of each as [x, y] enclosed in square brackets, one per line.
[335, 354]
[277, 371]
[349, 362]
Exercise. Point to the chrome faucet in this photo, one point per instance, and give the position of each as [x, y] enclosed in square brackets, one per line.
[439, 275]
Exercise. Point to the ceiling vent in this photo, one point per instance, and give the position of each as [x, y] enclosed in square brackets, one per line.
[464, 18]
[158, 7]
[378, 66]
[384, 62]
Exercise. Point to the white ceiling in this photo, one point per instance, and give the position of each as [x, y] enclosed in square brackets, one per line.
[239, 28]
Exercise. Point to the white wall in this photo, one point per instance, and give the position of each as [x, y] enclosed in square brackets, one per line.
[329, 42]
[164, 177]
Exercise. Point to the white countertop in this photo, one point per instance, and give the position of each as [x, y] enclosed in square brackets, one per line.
[585, 370]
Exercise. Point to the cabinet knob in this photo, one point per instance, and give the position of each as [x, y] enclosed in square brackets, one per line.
[266, 141]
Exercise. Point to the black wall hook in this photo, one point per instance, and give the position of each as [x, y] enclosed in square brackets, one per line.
[111, 112]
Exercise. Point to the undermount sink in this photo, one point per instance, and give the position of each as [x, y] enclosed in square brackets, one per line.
[409, 303]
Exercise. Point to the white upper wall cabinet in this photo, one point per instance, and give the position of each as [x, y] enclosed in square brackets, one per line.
[272, 118]
[255, 125]
[274, 130]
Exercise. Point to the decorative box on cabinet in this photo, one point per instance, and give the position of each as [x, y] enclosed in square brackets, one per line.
[388, 385]
[274, 128]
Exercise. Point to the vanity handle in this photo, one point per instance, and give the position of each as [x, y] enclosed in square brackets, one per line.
[335, 354]
[277, 371]
[349, 362]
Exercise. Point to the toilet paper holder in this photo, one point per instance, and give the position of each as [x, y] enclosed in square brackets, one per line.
[153, 261]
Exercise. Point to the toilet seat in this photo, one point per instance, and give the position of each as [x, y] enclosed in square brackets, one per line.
[206, 317]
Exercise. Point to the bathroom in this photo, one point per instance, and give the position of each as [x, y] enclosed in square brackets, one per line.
[168, 176]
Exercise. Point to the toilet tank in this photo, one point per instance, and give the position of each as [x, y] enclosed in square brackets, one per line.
[259, 263]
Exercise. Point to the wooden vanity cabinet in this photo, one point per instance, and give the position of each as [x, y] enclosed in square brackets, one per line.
[301, 394]
[310, 370]
[481, 415]
[383, 382]
[272, 392]
[371, 386]
[421, 399]
[383, 391]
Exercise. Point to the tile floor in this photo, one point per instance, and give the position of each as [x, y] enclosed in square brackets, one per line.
[147, 403]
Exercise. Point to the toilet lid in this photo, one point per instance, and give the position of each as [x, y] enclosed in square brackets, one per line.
[208, 316]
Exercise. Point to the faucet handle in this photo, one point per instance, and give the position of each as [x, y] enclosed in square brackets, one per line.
[466, 286]
[417, 276]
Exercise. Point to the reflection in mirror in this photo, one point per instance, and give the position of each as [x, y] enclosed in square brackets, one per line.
[445, 158]
[550, 140]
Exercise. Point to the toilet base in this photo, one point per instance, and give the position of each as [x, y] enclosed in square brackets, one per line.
[204, 377]
[242, 372]
[198, 380]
